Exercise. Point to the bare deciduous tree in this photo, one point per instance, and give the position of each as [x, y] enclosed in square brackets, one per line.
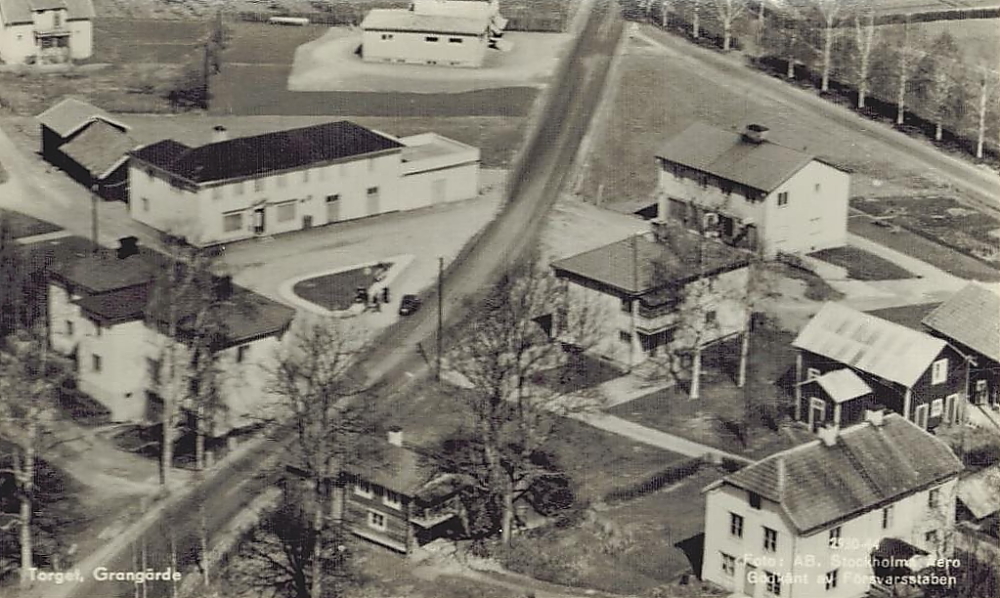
[864, 42]
[729, 11]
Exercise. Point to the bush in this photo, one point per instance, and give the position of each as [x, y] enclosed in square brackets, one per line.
[526, 557]
[658, 480]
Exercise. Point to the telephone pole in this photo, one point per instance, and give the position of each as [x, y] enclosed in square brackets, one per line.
[440, 310]
[93, 216]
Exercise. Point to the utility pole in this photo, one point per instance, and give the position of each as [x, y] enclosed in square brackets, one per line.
[93, 216]
[633, 303]
[440, 302]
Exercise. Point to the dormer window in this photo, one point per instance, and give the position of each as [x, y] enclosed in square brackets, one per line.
[56, 19]
[754, 500]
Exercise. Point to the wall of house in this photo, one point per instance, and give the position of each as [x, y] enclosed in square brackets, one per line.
[120, 383]
[66, 325]
[988, 371]
[81, 39]
[815, 216]
[245, 383]
[168, 208]
[807, 560]
[884, 393]
[934, 395]
[357, 508]
[414, 48]
[706, 193]
[423, 188]
[17, 43]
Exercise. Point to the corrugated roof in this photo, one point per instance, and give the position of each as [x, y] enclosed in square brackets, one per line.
[726, 154]
[263, 154]
[867, 467]
[393, 19]
[15, 12]
[971, 317]
[71, 114]
[980, 492]
[842, 385]
[869, 344]
[99, 147]
[640, 264]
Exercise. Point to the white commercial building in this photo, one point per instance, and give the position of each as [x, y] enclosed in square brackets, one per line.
[45, 30]
[235, 189]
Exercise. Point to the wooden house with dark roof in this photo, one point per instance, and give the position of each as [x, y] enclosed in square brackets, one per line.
[816, 519]
[107, 312]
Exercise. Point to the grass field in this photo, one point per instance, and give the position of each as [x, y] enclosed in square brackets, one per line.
[22, 225]
[861, 264]
[907, 315]
[335, 292]
[156, 41]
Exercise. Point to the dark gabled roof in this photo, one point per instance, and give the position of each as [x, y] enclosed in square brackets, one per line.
[868, 466]
[103, 271]
[99, 148]
[116, 306]
[640, 264]
[726, 154]
[400, 469]
[971, 317]
[72, 114]
[267, 153]
[14, 12]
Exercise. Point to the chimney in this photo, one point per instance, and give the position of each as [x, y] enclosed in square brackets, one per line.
[395, 436]
[219, 133]
[828, 434]
[876, 417]
[755, 133]
[127, 246]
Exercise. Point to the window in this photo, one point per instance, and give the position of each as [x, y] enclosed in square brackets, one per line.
[376, 520]
[770, 539]
[217, 192]
[710, 317]
[430, 38]
[286, 211]
[241, 353]
[625, 336]
[333, 198]
[931, 538]
[933, 497]
[97, 329]
[728, 565]
[95, 362]
[812, 373]
[783, 199]
[57, 19]
[69, 327]
[149, 173]
[702, 180]
[305, 176]
[835, 538]
[391, 499]
[754, 500]
[145, 204]
[238, 188]
[363, 489]
[773, 583]
[280, 179]
[372, 192]
[386, 36]
[258, 184]
[937, 407]
[232, 222]
[736, 525]
[626, 305]
[454, 40]
[831, 579]
[887, 517]
[939, 371]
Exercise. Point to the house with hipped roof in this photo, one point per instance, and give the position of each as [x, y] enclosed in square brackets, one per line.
[111, 313]
[851, 511]
[849, 361]
[45, 30]
[752, 192]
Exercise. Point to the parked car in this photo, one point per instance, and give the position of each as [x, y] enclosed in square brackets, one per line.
[409, 304]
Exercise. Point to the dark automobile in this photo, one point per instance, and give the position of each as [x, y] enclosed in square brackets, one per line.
[409, 304]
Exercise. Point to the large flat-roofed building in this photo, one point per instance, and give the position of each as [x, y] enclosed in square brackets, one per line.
[435, 32]
[239, 188]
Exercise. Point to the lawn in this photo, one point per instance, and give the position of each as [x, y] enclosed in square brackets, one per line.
[907, 315]
[862, 265]
[121, 41]
[22, 225]
[336, 292]
[914, 245]
[714, 418]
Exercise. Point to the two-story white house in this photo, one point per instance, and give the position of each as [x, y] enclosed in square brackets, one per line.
[45, 30]
[233, 189]
[107, 312]
[669, 287]
[754, 192]
[856, 508]
[433, 32]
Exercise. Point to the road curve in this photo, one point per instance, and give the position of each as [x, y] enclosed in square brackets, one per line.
[546, 163]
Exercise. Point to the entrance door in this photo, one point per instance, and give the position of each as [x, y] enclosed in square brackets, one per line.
[307, 222]
[333, 208]
[258, 220]
[951, 408]
[981, 392]
[372, 201]
[817, 413]
[921, 417]
[439, 190]
[750, 580]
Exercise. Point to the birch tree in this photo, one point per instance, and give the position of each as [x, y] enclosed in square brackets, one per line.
[729, 11]
[987, 85]
[864, 41]
[503, 353]
[315, 380]
[829, 16]
[939, 84]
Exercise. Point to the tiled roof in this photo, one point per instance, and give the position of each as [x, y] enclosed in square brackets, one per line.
[869, 344]
[726, 154]
[980, 492]
[972, 318]
[867, 467]
[71, 114]
[120, 305]
[99, 148]
[398, 19]
[14, 12]
[103, 271]
[842, 385]
[267, 153]
[640, 264]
